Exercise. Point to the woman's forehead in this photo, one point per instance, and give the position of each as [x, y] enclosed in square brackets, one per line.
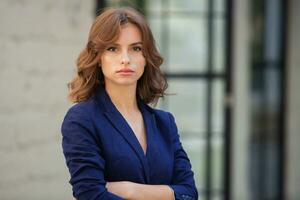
[129, 34]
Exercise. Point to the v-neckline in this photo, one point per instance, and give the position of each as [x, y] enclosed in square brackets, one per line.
[110, 107]
[135, 135]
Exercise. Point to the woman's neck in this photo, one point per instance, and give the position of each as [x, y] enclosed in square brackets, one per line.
[123, 97]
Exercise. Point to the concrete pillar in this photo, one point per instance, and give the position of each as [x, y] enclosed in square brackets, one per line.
[293, 103]
[240, 126]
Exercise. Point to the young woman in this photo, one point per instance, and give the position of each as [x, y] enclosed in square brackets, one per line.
[115, 145]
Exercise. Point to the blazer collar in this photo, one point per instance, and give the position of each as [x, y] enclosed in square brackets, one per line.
[119, 122]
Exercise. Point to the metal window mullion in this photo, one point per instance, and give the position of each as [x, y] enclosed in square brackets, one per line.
[283, 107]
[210, 51]
[228, 104]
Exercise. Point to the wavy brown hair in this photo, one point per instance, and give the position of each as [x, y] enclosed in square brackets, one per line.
[104, 31]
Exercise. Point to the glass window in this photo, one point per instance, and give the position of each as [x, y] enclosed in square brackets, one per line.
[187, 46]
[191, 38]
[187, 101]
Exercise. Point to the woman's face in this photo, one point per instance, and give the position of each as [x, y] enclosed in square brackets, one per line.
[123, 62]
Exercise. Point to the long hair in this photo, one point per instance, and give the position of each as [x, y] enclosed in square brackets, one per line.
[104, 31]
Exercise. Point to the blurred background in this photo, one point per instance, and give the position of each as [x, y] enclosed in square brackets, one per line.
[233, 64]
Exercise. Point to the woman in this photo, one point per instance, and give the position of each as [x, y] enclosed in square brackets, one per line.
[115, 145]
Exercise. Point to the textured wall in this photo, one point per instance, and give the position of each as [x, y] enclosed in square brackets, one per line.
[293, 102]
[241, 101]
[39, 42]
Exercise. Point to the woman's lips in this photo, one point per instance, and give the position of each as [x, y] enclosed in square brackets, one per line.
[125, 71]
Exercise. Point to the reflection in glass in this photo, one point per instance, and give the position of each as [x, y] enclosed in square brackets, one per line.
[217, 163]
[188, 49]
[219, 45]
[196, 149]
[153, 6]
[190, 6]
[156, 25]
[218, 106]
[219, 6]
[188, 105]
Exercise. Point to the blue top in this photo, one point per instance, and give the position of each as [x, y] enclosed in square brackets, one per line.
[100, 146]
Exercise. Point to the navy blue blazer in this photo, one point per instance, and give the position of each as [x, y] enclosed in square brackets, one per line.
[99, 147]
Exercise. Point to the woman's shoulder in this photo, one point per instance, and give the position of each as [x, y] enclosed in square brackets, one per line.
[81, 109]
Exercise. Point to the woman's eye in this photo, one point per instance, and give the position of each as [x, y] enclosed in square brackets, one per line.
[137, 48]
[111, 49]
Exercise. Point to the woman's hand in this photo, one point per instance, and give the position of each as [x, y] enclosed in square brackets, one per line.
[122, 189]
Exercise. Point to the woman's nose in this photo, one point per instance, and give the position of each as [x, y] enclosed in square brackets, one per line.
[125, 58]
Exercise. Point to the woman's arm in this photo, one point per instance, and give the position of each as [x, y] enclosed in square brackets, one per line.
[83, 157]
[135, 191]
[183, 183]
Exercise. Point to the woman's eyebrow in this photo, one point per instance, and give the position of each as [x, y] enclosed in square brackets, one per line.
[135, 43]
[132, 44]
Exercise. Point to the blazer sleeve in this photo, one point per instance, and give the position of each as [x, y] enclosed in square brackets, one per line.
[183, 183]
[83, 158]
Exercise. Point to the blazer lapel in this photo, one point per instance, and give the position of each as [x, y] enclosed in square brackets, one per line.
[151, 129]
[120, 124]
[150, 126]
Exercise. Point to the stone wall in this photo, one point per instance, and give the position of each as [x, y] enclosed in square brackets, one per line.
[39, 42]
